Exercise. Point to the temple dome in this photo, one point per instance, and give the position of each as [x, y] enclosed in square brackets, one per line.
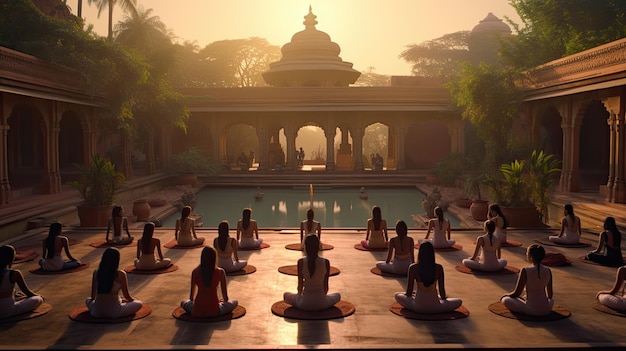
[491, 24]
[311, 59]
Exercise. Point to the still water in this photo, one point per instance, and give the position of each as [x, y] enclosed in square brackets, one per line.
[286, 207]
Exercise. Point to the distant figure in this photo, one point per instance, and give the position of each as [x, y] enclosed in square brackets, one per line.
[401, 249]
[251, 158]
[203, 299]
[489, 248]
[609, 251]
[243, 161]
[441, 229]
[613, 298]
[118, 223]
[146, 259]
[363, 194]
[258, 195]
[570, 228]
[226, 248]
[376, 233]
[310, 227]
[185, 231]
[106, 284]
[537, 279]
[428, 275]
[52, 250]
[313, 273]
[8, 278]
[495, 214]
[247, 230]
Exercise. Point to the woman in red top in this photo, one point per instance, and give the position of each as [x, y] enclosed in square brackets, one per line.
[203, 301]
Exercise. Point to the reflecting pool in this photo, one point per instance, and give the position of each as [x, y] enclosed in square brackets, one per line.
[286, 207]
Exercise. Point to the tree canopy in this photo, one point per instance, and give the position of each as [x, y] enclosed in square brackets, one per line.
[438, 57]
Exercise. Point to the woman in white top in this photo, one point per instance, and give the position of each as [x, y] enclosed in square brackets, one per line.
[53, 247]
[226, 248]
[146, 247]
[185, 232]
[118, 224]
[247, 230]
[613, 298]
[441, 231]
[401, 249]
[495, 215]
[310, 226]
[570, 228]
[489, 248]
[8, 278]
[376, 234]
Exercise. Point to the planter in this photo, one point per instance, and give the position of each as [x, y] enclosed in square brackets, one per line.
[97, 216]
[187, 178]
[523, 217]
[465, 203]
[479, 209]
[141, 209]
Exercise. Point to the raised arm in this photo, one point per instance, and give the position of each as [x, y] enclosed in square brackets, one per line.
[193, 228]
[620, 274]
[441, 281]
[563, 224]
[410, 282]
[239, 229]
[192, 289]
[17, 277]
[300, 276]
[255, 229]
[390, 249]
[223, 284]
[158, 247]
[319, 231]
[369, 229]
[66, 247]
[431, 225]
[521, 283]
[235, 246]
[479, 243]
[121, 275]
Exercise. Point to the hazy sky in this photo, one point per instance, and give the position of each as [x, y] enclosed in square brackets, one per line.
[371, 33]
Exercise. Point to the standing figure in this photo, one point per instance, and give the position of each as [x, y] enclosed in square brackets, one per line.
[612, 298]
[185, 232]
[107, 282]
[53, 247]
[538, 282]
[310, 226]
[247, 230]
[119, 224]
[570, 228]
[376, 234]
[203, 301]
[146, 260]
[495, 215]
[441, 231]
[609, 251]
[488, 245]
[313, 273]
[8, 277]
[226, 248]
[428, 275]
[401, 249]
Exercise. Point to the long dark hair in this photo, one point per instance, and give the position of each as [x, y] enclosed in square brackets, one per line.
[377, 217]
[439, 213]
[116, 211]
[222, 235]
[146, 237]
[536, 254]
[245, 218]
[309, 219]
[7, 255]
[426, 260]
[491, 227]
[402, 231]
[496, 207]
[55, 230]
[107, 270]
[208, 264]
[609, 224]
[570, 210]
[185, 212]
[312, 247]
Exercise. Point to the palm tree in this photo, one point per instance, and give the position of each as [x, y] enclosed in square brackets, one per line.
[126, 5]
[141, 30]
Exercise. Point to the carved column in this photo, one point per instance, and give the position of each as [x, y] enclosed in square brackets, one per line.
[344, 154]
[5, 186]
[612, 107]
[571, 145]
[330, 133]
[291, 134]
[51, 180]
[357, 140]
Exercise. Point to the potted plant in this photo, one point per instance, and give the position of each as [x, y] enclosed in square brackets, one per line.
[543, 170]
[471, 190]
[191, 163]
[97, 185]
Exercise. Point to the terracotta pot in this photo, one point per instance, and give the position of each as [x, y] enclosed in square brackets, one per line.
[479, 209]
[523, 217]
[141, 209]
[94, 216]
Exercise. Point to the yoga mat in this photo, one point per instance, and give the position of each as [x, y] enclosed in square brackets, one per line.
[557, 313]
[81, 314]
[39, 311]
[248, 269]
[550, 243]
[339, 310]
[554, 259]
[262, 246]
[172, 244]
[506, 270]
[103, 244]
[398, 309]
[455, 247]
[596, 305]
[24, 256]
[180, 313]
[377, 271]
[38, 270]
[293, 270]
[361, 248]
[296, 246]
[131, 269]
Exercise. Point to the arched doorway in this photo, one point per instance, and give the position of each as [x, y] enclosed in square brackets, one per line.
[25, 147]
[593, 154]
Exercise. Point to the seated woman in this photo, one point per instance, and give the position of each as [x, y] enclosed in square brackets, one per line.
[426, 273]
[8, 277]
[570, 228]
[494, 213]
[313, 272]
[537, 279]
[611, 298]
[185, 231]
[609, 251]
[489, 248]
[107, 282]
[146, 260]
[203, 301]
[376, 233]
[247, 230]
[310, 226]
[401, 248]
[119, 224]
[226, 248]
[441, 229]
[53, 247]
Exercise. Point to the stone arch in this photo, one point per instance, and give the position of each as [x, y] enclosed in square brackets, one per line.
[239, 139]
[376, 142]
[594, 148]
[550, 131]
